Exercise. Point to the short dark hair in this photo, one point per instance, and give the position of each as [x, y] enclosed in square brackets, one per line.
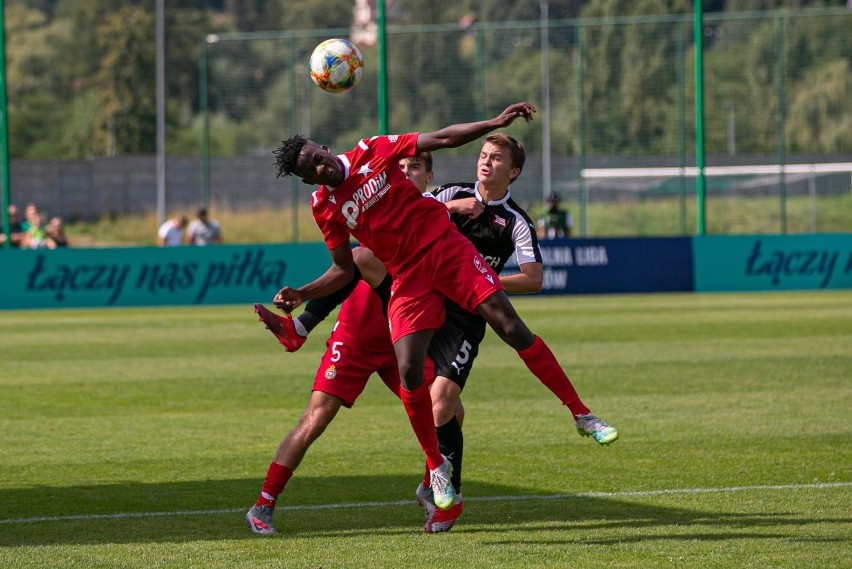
[202, 212]
[425, 157]
[287, 154]
[516, 149]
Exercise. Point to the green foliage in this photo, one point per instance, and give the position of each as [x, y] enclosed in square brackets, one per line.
[636, 74]
[820, 117]
[126, 115]
[311, 14]
[36, 88]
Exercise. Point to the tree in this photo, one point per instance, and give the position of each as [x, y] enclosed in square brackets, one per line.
[820, 117]
[125, 121]
[36, 89]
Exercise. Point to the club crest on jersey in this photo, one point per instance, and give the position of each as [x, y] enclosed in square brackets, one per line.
[331, 372]
[497, 220]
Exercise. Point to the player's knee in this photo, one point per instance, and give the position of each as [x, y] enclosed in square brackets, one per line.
[514, 332]
[519, 333]
[442, 411]
[410, 374]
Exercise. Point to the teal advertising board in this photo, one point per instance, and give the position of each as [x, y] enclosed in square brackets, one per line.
[772, 262]
[235, 274]
[150, 276]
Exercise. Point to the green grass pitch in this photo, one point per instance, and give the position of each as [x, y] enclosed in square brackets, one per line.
[137, 438]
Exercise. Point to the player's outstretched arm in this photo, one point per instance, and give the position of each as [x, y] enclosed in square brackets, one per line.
[460, 134]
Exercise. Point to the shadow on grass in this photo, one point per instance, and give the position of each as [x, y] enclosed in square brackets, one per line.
[341, 507]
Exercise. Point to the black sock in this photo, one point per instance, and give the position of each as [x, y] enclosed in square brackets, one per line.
[451, 444]
[318, 309]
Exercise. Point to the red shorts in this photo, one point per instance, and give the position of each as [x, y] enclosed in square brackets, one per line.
[345, 369]
[451, 268]
[358, 346]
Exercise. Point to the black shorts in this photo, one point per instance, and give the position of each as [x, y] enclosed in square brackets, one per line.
[456, 344]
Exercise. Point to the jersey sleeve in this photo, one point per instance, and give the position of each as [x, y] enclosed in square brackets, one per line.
[527, 249]
[445, 193]
[396, 146]
[333, 233]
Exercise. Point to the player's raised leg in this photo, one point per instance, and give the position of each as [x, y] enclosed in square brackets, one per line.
[501, 316]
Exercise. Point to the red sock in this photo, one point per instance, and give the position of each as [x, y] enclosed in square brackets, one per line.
[542, 363]
[418, 405]
[276, 479]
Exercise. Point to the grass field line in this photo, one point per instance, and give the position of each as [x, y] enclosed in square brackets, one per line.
[637, 493]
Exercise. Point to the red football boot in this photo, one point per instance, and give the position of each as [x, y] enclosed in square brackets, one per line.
[282, 327]
[443, 520]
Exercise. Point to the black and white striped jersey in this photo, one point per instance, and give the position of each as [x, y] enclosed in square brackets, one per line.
[503, 229]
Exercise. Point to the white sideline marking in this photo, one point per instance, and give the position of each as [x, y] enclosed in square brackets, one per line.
[817, 485]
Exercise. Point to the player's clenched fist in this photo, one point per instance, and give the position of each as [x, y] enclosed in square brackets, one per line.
[287, 299]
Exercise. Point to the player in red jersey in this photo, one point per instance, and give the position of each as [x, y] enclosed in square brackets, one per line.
[359, 346]
[364, 194]
[503, 231]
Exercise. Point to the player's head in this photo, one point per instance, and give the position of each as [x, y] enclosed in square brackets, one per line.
[501, 160]
[418, 169]
[306, 159]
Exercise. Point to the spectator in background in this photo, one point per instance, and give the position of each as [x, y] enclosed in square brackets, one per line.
[33, 225]
[203, 231]
[16, 230]
[170, 233]
[55, 233]
[555, 222]
[30, 211]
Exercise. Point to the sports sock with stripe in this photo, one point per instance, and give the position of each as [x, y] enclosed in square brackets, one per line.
[276, 479]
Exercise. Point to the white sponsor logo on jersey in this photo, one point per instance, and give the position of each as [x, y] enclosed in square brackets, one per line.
[363, 198]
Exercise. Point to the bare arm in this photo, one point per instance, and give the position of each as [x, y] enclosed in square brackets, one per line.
[530, 279]
[372, 270]
[460, 134]
[338, 275]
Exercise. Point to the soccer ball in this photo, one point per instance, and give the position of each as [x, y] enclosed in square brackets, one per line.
[336, 65]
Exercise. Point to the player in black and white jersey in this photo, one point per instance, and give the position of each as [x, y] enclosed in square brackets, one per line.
[502, 230]
[499, 229]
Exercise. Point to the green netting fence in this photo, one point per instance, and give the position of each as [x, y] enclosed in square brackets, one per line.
[612, 94]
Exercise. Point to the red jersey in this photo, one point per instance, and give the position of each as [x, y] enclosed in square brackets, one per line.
[378, 205]
[361, 321]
